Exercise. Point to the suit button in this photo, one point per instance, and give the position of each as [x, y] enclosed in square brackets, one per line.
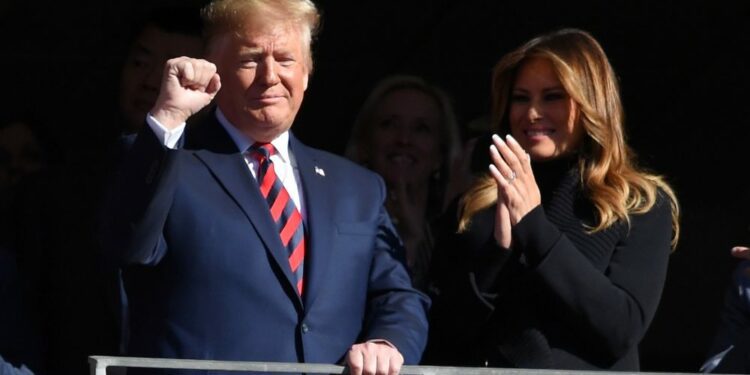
[305, 328]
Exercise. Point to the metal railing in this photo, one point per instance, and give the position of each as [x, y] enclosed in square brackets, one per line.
[99, 365]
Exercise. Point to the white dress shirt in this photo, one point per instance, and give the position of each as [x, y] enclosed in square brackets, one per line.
[283, 160]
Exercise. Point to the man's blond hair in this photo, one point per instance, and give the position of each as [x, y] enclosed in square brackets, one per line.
[230, 16]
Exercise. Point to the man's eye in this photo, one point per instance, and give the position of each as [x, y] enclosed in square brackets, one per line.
[139, 62]
[285, 61]
[248, 63]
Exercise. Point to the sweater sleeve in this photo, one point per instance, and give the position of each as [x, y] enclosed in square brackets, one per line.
[464, 271]
[611, 310]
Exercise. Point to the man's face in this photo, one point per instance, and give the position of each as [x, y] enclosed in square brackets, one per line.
[264, 76]
[20, 154]
[141, 75]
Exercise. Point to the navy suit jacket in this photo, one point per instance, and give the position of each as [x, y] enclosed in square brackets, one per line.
[208, 278]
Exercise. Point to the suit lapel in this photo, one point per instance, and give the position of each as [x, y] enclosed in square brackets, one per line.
[226, 163]
[320, 225]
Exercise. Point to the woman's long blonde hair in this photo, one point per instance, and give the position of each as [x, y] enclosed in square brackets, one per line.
[613, 182]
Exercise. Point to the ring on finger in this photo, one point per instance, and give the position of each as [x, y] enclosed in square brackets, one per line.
[512, 176]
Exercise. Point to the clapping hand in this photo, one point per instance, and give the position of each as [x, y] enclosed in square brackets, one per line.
[408, 216]
[517, 191]
[741, 252]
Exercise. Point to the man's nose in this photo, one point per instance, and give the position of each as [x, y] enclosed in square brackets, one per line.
[267, 73]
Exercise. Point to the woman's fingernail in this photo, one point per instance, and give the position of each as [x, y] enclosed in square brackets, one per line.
[510, 138]
[497, 138]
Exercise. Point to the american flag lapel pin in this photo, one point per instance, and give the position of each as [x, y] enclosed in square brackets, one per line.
[320, 171]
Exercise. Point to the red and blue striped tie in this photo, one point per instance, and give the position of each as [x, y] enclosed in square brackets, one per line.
[283, 211]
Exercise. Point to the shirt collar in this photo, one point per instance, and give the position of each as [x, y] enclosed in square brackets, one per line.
[243, 142]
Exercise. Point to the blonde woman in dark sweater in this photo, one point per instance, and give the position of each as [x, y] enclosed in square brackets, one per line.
[562, 247]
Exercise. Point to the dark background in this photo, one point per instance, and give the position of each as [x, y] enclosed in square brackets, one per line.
[683, 77]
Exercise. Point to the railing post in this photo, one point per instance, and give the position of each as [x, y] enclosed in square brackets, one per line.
[97, 366]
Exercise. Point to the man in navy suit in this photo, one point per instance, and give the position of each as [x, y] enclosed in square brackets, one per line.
[207, 271]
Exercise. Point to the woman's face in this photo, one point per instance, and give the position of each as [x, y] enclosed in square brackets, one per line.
[543, 117]
[406, 137]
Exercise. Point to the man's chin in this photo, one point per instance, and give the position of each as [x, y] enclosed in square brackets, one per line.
[263, 130]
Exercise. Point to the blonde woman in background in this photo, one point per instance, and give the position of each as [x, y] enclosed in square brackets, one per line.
[406, 132]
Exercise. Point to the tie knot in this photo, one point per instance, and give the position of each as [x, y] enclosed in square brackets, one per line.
[262, 151]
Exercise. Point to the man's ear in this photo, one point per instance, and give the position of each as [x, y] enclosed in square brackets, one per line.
[305, 79]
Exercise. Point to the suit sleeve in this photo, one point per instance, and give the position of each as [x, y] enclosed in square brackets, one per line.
[395, 310]
[731, 344]
[137, 202]
[613, 309]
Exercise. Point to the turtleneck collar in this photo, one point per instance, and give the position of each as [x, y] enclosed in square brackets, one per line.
[549, 173]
